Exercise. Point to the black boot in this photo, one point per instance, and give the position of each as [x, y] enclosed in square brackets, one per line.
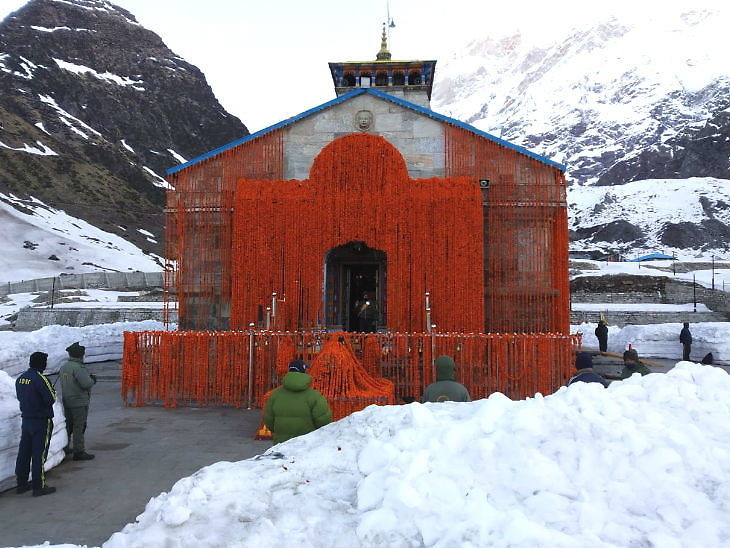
[47, 490]
[20, 489]
[83, 455]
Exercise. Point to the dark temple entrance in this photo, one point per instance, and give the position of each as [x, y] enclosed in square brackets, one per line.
[355, 279]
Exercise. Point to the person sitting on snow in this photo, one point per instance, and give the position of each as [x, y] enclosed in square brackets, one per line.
[295, 408]
[584, 365]
[445, 388]
[633, 365]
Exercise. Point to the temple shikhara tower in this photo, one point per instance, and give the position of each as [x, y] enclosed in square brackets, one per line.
[373, 223]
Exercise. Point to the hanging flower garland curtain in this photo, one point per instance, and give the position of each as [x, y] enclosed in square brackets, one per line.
[359, 190]
[526, 233]
[239, 368]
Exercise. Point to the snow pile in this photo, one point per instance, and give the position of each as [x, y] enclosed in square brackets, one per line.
[662, 340]
[642, 463]
[10, 433]
[103, 342]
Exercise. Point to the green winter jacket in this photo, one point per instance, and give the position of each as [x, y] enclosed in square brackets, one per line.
[445, 388]
[76, 383]
[295, 409]
[634, 367]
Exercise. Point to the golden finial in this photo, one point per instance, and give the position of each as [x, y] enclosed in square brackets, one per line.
[383, 54]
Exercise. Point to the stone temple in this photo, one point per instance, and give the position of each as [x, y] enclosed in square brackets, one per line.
[443, 229]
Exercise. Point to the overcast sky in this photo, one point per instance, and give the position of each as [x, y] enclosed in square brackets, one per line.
[266, 60]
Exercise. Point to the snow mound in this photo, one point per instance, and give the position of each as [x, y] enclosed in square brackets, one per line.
[662, 340]
[103, 342]
[642, 463]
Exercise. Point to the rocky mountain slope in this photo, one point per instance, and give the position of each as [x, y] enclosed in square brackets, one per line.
[94, 108]
[618, 101]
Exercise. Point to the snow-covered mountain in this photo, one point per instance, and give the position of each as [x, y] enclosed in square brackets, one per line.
[594, 96]
[616, 101]
[684, 217]
[93, 109]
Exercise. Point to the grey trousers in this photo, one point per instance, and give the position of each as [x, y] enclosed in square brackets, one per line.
[76, 426]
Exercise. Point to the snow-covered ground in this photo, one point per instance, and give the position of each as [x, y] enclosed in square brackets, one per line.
[702, 275]
[38, 232]
[662, 340]
[638, 307]
[103, 342]
[72, 298]
[643, 463]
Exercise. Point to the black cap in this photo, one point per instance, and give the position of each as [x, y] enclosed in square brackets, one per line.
[38, 360]
[583, 360]
[298, 365]
[76, 350]
[631, 355]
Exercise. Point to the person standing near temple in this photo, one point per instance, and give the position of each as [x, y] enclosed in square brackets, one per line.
[685, 337]
[76, 383]
[36, 397]
[366, 313]
[602, 335]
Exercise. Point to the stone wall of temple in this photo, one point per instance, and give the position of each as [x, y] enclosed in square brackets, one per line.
[417, 137]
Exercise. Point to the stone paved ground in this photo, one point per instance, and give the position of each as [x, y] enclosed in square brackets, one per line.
[140, 452]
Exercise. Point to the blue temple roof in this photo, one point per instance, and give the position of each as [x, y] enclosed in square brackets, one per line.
[341, 99]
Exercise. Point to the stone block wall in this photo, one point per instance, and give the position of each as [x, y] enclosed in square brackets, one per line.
[90, 280]
[417, 137]
[30, 319]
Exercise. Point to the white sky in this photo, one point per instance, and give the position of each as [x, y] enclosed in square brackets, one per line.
[267, 61]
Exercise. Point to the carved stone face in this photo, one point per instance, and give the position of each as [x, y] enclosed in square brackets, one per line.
[364, 120]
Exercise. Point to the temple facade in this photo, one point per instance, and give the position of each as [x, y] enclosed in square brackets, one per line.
[442, 227]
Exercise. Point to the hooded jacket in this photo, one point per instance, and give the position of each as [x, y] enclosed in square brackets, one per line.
[76, 383]
[295, 409]
[445, 388]
[634, 367]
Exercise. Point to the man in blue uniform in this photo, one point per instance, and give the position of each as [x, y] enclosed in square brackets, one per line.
[36, 397]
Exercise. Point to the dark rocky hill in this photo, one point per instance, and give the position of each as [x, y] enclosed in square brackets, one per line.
[701, 150]
[93, 109]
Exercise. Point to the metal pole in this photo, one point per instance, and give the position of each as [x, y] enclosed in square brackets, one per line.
[250, 366]
[268, 318]
[53, 291]
[428, 312]
[713, 272]
[694, 292]
[273, 306]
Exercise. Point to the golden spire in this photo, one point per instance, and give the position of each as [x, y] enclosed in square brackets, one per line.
[383, 54]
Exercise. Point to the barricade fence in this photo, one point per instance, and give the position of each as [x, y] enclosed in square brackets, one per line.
[237, 368]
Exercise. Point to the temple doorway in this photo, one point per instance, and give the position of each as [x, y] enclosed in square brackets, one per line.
[355, 279]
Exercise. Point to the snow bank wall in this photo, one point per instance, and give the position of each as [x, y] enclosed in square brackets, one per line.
[102, 342]
[10, 433]
[662, 340]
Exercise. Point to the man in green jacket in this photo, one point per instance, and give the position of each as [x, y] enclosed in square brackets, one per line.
[633, 365]
[445, 388]
[76, 383]
[295, 408]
